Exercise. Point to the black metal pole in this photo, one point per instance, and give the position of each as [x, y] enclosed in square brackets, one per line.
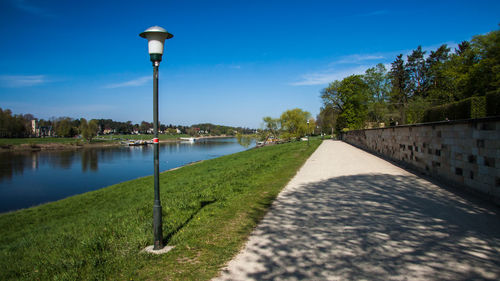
[157, 217]
[308, 132]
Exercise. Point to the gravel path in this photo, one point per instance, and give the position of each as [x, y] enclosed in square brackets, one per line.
[348, 215]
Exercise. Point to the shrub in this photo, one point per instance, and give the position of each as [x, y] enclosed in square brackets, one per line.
[473, 107]
[493, 103]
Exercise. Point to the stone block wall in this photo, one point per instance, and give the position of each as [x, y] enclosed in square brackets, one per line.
[465, 153]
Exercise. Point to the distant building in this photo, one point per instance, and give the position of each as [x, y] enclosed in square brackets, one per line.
[108, 131]
[34, 128]
[41, 131]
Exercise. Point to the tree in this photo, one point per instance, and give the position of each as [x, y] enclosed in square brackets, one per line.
[327, 119]
[485, 75]
[145, 126]
[417, 74]
[331, 96]
[294, 123]
[88, 130]
[400, 84]
[440, 85]
[13, 126]
[171, 131]
[272, 127]
[351, 98]
[64, 127]
[378, 86]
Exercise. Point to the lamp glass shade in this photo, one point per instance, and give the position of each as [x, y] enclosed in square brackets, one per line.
[156, 38]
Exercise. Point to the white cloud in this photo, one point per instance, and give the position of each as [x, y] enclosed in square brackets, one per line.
[131, 83]
[358, 58]
[323, 78]
[18, 81]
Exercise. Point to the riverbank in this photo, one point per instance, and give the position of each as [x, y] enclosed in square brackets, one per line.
[209, 208]
[37, 144]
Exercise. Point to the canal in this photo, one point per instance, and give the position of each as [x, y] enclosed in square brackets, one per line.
[32, 178]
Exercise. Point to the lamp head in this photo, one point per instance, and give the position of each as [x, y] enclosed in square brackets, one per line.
[156, 39]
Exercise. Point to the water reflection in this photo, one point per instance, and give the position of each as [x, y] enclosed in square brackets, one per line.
[244, 141]
[30, 178]
[89, 160]
[10, 166]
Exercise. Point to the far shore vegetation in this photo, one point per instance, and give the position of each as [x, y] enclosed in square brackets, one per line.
[25, 129]
[209, 209]
[65, 129]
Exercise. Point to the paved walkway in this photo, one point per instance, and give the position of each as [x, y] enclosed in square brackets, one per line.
[348, 215]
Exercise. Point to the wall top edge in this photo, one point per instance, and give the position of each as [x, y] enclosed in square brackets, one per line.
[450, 122]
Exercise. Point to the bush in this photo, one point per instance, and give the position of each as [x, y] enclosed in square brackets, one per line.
[493, 103]
[473, 107]
[478, 107]
[416, 110]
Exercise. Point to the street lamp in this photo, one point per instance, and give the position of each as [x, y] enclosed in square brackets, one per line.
[307, 132]
[156, 37]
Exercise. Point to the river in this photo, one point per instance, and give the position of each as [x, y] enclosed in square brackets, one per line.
[32, 178]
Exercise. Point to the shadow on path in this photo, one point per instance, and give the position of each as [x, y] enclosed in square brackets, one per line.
[376, 227]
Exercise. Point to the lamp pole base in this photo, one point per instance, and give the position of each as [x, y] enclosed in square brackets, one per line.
[164, 250]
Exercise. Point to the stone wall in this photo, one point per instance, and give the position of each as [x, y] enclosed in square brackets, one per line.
[464, 153]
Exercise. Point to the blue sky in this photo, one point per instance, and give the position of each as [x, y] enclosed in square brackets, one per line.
[230, 62]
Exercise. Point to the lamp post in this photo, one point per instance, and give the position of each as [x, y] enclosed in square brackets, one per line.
[156, 37]
[307, 132]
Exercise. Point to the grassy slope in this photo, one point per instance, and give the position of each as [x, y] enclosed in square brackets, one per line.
[208, 211]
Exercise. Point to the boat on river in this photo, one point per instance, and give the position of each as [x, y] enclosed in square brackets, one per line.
[137, 142]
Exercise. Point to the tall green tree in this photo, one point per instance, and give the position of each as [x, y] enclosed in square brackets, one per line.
[416, 70]
[351, 98]
[400, 81]
[440, 85]
[485, 74]
[327, 119]
[378, 87]
[294, 123]
[88, 130]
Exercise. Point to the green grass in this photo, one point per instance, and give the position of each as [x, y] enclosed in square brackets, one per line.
[19, 141]
[209, 209]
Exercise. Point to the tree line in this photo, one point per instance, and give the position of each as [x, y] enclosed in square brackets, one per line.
[20, 126]
[217, 130]
[413, 85]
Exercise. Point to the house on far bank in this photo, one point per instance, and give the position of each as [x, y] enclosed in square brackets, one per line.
[108, 131]
[41, 131]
